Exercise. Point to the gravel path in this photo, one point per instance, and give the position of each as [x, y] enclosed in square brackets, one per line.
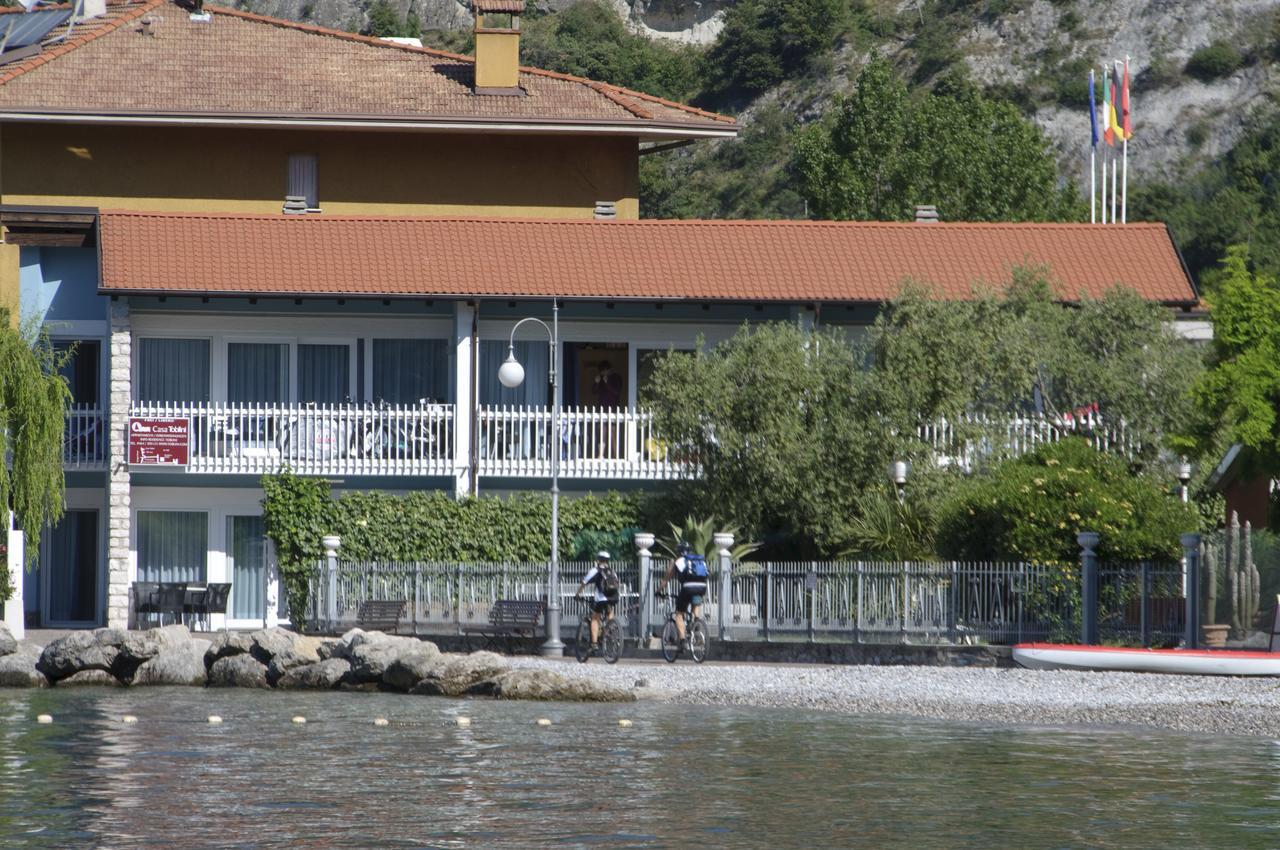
[1189, 703]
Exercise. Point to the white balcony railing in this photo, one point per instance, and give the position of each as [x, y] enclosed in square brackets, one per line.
[340, 439]
[84, 442]
[973, 438]
[594, 442]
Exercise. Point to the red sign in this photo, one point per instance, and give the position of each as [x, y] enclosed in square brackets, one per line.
[159, 442]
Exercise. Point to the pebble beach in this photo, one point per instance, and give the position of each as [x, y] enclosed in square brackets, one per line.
[1237, 706]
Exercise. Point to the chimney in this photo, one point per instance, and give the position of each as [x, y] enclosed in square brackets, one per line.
[606, 210]
[498, 46]
[926, 214]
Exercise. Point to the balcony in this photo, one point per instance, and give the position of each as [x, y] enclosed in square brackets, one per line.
[84, 442]
[341, 439]
[594, 442]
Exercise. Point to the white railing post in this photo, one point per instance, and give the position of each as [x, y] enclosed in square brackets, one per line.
[723, 542]
[644, 544]
[331, 542]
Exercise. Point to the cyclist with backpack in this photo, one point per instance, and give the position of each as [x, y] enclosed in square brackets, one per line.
[607, 586]
[690, 569]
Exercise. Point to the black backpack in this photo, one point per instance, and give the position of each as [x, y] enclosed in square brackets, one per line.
[610, 584]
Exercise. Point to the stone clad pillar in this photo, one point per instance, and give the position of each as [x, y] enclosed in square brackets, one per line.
[119, 518]
[725, 606]
[644, 585]
[465, 357]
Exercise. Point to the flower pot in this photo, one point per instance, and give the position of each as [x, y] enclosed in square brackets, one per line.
[1215, 635]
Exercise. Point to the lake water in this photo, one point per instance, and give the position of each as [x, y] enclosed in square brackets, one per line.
[679, 776]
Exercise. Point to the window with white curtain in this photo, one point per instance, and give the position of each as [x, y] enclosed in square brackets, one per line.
[324, 373]
[173, 370]
[406, 370]
[257, 372]
[534, 356]
[304, 179]
[172, 545]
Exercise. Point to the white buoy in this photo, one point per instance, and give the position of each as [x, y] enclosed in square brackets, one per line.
[463, 721]
[624, 722]
[44, 718]
[299, 719]
[213, 718]
[128, 718]
[542, 721]
[380, 721]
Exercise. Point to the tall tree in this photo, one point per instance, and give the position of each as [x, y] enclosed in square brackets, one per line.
[33, 403]
[879, 153]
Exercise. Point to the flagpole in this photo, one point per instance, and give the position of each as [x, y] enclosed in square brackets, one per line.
[1104, 185]
[1114, 169]
[1093, 185]
[1124, 196]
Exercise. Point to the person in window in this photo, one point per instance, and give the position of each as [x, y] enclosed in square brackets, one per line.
[608, 385]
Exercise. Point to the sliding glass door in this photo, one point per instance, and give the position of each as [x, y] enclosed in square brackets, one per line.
[69, 556]
[247, 553]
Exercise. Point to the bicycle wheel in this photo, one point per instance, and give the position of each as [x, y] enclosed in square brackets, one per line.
[611, 641]
[670, 642]
[582, 646]
[698, 640]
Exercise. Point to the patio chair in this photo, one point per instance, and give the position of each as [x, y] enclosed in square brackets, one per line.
[170, 599]
[193, 602]
[215, 601]
[145, 601]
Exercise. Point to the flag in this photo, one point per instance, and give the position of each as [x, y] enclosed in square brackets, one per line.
[1125, 126]
[1108, 133]
[1093, 111]
[1117, 132]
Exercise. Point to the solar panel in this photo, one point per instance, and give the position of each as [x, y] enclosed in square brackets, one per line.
[28, 28]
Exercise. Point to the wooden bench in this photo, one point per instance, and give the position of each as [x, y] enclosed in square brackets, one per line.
[381, 615]
[508, 619]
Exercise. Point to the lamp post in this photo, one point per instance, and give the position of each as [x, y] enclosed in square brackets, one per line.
[898, 472]
[511, 375]
[1184, 477]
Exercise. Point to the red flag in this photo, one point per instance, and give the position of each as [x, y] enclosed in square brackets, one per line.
[1124, 104]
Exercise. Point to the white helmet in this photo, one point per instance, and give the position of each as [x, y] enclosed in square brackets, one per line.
[602, 555]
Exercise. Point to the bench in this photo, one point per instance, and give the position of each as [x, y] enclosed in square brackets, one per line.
[508, 619]
[380, 615]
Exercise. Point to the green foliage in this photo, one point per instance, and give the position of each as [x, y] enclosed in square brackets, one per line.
[589, 39]
[385, 21]
[1031, 508]
[878, 153]
[1216, 60]
[33, 403]
[700, 534]
[431, 526]
[1240, 394]
[765, 41]
[888, 528]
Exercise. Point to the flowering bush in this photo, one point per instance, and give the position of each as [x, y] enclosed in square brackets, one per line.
[1031, 508]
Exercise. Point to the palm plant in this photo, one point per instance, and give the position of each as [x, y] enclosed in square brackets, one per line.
[700, 535]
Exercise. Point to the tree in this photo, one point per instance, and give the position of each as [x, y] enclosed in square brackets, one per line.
[878, 154]
[385, 21]
[33, 403]
[763, 42]
[1240, 394]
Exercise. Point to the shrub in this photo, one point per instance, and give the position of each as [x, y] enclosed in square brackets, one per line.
[1031, 508]
[1217, 60]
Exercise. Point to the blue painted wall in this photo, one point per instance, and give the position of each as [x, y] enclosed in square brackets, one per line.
[60, 285]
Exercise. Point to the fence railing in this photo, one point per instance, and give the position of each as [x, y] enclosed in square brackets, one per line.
[866, 601]
[594, 442]
[84, 443]
[322, 439]
[969, 439]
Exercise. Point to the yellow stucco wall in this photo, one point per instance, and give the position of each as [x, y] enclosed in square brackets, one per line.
[244, 170]
[9, 287]
[497, 59]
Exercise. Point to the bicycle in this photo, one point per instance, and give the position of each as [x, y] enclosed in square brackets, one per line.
[610, 637]
[695, 631]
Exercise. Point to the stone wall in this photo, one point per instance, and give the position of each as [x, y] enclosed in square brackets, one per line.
[118, 502]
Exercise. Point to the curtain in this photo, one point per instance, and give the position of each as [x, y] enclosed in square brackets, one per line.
[72, 568]
[248, 552]
[81, 370]
[405, 370]
[533, 356]
[173, 370]
[172, 545]
[324, 373]
[257, 371]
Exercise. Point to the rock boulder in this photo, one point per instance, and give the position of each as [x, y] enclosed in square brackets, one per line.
[140, 647]
[410, 668]
[181, 664]
[18, 668]
[95, 650]
[8, 643]
[90, 677]
[241, 670]
[227, 644]
[549, 685]
[323, 675]
[464, 672]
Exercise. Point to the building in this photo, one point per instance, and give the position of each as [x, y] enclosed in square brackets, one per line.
[307, 247]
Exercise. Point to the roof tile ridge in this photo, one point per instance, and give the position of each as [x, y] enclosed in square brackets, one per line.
[620, 100]
[70, 44]
[315, 29]
[675, 104]
[625, 92]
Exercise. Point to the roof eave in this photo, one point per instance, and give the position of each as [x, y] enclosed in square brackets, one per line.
[384, 123]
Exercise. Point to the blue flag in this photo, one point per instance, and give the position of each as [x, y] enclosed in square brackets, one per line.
[1093, 111]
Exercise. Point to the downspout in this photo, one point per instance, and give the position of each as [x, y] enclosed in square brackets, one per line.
[475, 401]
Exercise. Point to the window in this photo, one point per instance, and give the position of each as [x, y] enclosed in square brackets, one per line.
[172, 545]
[172, 370]
[303, 179]
[324, 373]
[533, 356]
[406, 370]
[257, 372]
[81, 370]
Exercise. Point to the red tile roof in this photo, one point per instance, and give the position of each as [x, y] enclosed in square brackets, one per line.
[791, 261]
[244, 65]
[512, 7]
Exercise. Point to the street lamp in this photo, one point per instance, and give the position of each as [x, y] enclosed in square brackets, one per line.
[898, 472]
[1184, 477]
[511, 375]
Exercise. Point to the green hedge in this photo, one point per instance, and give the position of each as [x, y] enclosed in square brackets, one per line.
[1032, 507]
[433, 526]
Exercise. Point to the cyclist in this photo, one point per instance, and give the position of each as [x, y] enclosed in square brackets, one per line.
[605, 581]
[691, 571]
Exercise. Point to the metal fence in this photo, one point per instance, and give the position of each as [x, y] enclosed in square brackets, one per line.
[861, 601]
